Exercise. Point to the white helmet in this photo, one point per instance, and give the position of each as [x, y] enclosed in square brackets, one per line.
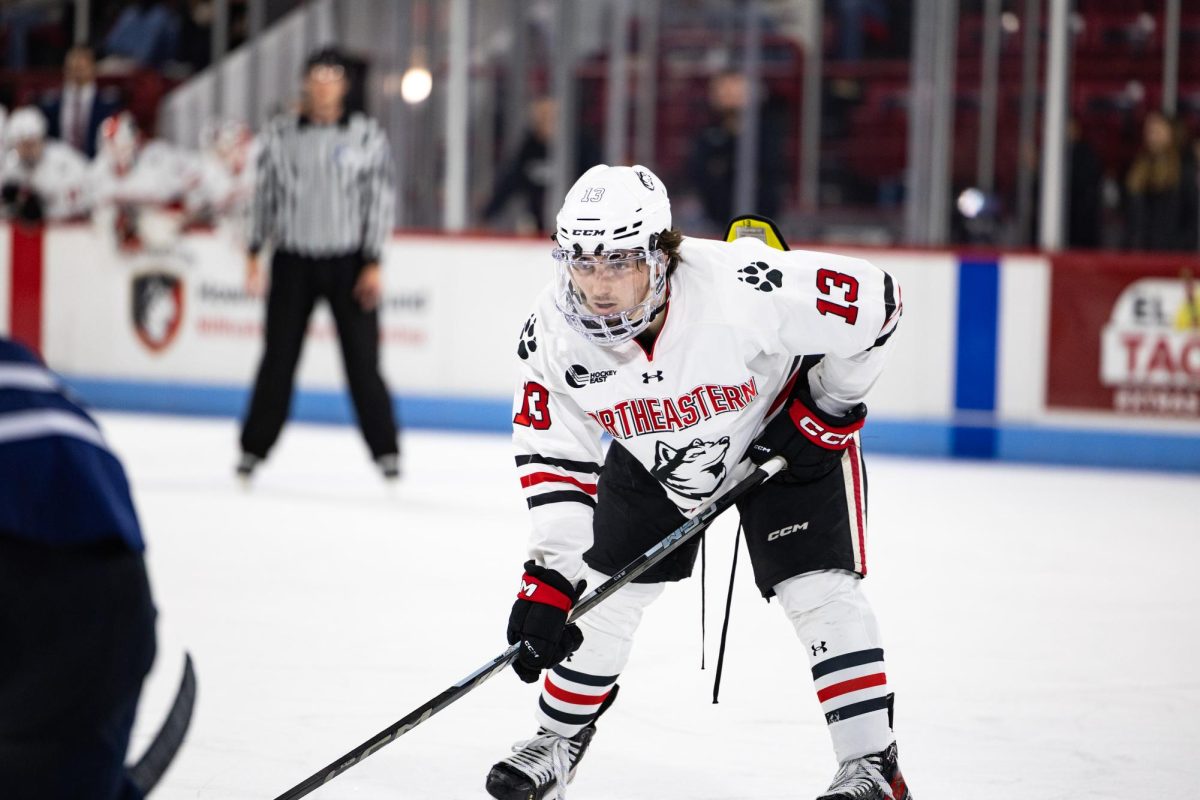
[229, 140]
[614, 216]
[24, 124]
[118, 139]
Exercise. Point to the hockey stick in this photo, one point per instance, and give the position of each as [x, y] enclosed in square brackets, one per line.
[149, 769]
[657, 553]
[761, 228]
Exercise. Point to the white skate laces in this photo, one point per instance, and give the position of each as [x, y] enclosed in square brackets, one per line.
[544, 758]
[860, 778]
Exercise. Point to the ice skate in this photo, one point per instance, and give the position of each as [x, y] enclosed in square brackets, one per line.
[873, 777]
[246, 466]
[542, 766]
[539, 766]
[389, 467]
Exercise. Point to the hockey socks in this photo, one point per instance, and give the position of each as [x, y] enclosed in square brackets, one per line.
[834, 620]
[570, 700]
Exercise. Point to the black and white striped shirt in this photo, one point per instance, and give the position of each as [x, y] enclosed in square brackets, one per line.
[324, 190]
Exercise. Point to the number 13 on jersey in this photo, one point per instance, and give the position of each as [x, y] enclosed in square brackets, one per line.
[827, 281]
[535, 407]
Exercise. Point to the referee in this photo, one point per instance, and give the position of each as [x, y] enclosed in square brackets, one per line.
[324, 197]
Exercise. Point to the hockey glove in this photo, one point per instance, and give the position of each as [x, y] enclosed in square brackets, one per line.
[811, 440]
[539, 621]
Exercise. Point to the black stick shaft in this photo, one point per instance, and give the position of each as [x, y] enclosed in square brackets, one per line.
[401, 727]
[459, 690]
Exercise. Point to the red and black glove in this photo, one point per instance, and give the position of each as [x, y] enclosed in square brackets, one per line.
[539, 621]
[811, 440]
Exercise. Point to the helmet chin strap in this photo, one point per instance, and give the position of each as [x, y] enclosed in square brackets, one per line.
[663, 305]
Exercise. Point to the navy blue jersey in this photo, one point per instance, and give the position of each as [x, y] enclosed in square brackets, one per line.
[59, 482]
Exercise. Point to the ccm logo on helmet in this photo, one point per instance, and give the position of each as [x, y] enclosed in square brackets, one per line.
[586, 232]
[814, 429]
[782, 532]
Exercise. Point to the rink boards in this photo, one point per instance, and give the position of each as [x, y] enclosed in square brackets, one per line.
[1072, 359]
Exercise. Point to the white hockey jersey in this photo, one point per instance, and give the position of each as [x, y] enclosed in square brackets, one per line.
[223, 191]
[162, 174]
[59, 178]
[740, 317]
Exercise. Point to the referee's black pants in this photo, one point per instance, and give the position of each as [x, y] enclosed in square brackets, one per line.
[76, 642]
[296, 284]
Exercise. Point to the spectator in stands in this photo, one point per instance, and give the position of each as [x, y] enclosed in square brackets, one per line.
[527, 173]
[146, 33]
[75, 111]
[858, 20]
[1086, 176]
[18, 21]
[713, 162]
[195, 34]
[1161, 193]
[41, 179]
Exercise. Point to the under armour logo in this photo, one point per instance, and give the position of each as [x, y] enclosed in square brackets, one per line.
[651, 376]
[819, 648]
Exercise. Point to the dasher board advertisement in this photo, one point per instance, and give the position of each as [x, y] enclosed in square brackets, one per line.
[1125, 335]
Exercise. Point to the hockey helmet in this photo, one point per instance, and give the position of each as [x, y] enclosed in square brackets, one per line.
[610, 221]
[25, 123]
[118, 139]
[229, 140]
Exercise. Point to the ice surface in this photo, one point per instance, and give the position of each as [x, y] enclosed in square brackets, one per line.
[1040, 627]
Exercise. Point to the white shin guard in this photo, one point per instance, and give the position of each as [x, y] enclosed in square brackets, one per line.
[574, 690]
[834, 620]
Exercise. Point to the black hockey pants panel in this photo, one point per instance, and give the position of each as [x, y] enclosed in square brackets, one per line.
[76, 642]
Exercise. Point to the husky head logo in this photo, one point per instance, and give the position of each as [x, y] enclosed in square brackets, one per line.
[694, 470]
[157, 308]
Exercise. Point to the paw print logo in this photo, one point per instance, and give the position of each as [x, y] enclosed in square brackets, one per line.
[528, 343]
[761, 276]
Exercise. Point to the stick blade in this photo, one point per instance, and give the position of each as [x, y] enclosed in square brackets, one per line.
[149, 769]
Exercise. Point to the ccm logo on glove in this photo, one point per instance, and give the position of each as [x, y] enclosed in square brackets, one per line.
[825, 435]
[543, 593]
[810, 440]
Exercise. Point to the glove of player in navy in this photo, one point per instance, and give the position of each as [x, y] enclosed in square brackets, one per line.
[811, 440]
[539, 621]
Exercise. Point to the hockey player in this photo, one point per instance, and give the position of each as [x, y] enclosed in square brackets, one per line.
[76, 613]
[691, 354]
[225, 190]
[141, 186]
[41, 179]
